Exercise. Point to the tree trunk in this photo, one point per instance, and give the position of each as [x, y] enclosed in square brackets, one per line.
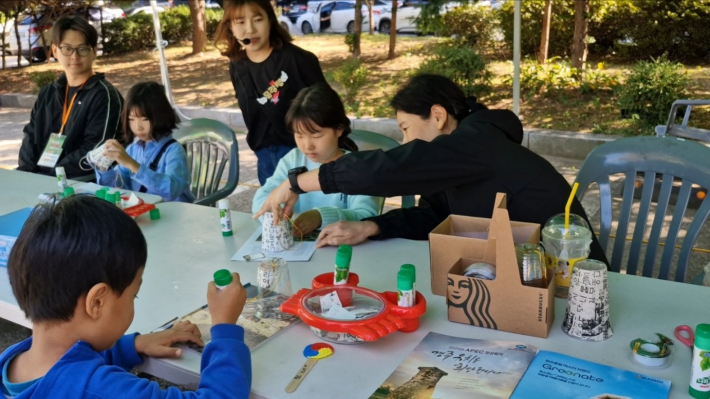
[199, 28]
[370, 5]
[545, 41]
[393, 31]
[357, 31]
[101, 24]
[579, 45]
[2, 45]
[18, 10]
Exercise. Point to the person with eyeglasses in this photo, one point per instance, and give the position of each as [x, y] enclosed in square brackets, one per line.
[76, 113]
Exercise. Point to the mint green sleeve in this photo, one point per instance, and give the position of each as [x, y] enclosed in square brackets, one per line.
[359, 207]
[280, 174]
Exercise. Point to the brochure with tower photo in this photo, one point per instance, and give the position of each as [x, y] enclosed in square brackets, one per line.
[443, 366]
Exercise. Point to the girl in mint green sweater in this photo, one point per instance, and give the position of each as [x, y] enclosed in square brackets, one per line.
[317, 119]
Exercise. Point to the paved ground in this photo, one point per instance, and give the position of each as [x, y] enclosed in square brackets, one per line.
[12, 120]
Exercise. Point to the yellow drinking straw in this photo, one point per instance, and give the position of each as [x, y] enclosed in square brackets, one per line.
[569, 205]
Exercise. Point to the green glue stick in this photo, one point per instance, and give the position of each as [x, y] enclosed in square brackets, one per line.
[225, 218]
[68, 192]
[222, 278]
[413, 270]
[61, 178]
[342, 264]
[405, 289]
[700, 364]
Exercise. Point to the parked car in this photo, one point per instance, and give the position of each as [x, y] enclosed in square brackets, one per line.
[142, 10]
[331, 16]
[31, 30]
[407, 14]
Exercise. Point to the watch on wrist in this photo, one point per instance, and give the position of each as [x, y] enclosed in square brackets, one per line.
[293, 179]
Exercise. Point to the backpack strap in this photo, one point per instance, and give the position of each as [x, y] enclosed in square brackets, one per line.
[154, 164]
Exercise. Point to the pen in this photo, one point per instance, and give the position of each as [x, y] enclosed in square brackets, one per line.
[167, 325]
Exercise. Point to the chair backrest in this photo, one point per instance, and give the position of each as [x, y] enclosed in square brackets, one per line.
[212, 150]
[659, 161]
[367, 141]
[683, 130]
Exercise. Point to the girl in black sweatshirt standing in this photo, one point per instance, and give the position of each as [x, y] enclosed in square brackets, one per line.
[267, 72]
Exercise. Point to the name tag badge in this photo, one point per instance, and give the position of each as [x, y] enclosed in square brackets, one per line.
[52, 151]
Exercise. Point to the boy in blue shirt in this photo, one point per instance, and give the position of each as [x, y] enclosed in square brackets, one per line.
[75, 270]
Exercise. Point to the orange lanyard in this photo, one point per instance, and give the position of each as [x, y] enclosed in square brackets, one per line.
[67, 110]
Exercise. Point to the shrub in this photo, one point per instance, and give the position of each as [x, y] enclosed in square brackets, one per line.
[137, 33]
[350, 41]
[123, 35]
[41, 79]
[652, 87]
[473, 26]
[462, 64]
[213, 16]
[352, 76]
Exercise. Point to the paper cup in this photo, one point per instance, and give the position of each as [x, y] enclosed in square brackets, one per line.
[587, 314]
[275, 238]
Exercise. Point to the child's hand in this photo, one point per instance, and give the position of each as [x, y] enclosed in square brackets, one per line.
[226, 306]
[115, 151]
[158, 344]
[307, 222]
[282, 194]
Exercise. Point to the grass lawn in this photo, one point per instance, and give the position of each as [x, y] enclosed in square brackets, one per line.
[204, 81]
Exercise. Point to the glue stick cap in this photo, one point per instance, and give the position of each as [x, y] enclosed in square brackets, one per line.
[404, 281]
[223, 203]
[100, 193]
[411, 269]
[68, 191]
[343, 256]
[110, 197]
[154, 214]
[222, 278]
[702, 336]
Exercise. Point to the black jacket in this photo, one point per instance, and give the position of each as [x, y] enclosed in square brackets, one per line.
[93, 120]
[265, 91]
[457, 174]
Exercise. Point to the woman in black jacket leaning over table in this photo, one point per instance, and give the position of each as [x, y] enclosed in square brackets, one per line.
[456, 154]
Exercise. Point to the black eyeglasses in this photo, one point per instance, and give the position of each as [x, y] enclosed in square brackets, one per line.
[81, 51]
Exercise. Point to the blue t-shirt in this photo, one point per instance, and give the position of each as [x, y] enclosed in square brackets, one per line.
[11, 389]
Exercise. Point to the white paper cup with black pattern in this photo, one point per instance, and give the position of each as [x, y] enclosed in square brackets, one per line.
[275, 238]
[587, 314]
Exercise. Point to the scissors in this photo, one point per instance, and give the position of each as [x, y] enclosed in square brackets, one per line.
[689, 340]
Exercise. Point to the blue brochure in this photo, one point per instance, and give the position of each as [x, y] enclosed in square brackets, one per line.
[564, 377]
[10, 226]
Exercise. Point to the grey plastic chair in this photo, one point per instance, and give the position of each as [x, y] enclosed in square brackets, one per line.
[683, 130]
[650, 157]
[212, 150]
[367, 141]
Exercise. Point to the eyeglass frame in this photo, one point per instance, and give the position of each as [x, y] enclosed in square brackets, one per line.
[74, 50]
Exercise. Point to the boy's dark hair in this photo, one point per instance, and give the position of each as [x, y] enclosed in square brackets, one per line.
[67, 247]
[320, 105]
[278, 36]
[425, 90]
[148, 100]
[77, 23]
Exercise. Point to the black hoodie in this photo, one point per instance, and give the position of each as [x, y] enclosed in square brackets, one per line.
[459, 173]
[93, 120]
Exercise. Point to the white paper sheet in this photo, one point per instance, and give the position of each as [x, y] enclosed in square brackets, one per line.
[300, 252]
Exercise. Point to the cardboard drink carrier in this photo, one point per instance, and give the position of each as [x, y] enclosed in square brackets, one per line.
[504, 303]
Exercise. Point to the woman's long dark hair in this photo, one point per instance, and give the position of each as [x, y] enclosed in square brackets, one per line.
[278, 36]
[425, 90]
[320, 105]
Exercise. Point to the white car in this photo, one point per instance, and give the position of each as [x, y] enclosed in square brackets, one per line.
[31, 32]
[332, 16]
[142, 10]
[407, 14]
